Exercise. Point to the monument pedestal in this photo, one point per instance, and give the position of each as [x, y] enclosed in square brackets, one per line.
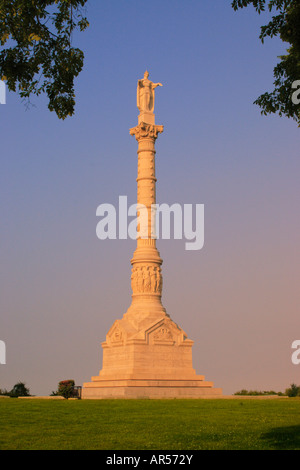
[146, 355]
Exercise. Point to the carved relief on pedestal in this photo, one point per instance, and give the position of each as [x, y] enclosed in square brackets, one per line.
[115, 336]
[146, 279]
[163, 334]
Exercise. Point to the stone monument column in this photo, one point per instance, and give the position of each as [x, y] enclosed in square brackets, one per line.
[146, 354]
[146, 279]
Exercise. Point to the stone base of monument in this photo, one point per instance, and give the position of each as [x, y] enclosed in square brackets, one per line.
[154, 361]
[96, 392]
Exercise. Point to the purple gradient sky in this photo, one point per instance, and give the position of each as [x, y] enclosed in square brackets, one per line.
[62, 288]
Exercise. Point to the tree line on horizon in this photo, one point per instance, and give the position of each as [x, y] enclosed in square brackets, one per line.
[67, 389]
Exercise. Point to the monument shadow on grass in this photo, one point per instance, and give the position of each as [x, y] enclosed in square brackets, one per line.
[283, 438]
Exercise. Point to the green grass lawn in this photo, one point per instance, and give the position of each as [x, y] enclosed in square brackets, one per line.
[150, 424]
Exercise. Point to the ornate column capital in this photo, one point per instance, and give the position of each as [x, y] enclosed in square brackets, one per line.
[146, 131]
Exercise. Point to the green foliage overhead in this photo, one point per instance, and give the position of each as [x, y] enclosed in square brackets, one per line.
[285, 24]
[37, 55]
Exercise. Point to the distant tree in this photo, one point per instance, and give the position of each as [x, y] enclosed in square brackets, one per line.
[19, 390]
[65, 388]
[293, 391]
[242, 392]
[38, 56]
[257, 392]
[285, 98]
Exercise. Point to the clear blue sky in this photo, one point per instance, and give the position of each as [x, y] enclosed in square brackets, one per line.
[62, 288]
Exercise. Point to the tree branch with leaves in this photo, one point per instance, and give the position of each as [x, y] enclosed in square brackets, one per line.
[285, 24]
[37, 55]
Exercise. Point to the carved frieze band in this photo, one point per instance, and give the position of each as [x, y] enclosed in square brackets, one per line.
[146, 279]
[144, 130]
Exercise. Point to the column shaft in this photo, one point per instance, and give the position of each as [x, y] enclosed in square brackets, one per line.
[146, 262]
